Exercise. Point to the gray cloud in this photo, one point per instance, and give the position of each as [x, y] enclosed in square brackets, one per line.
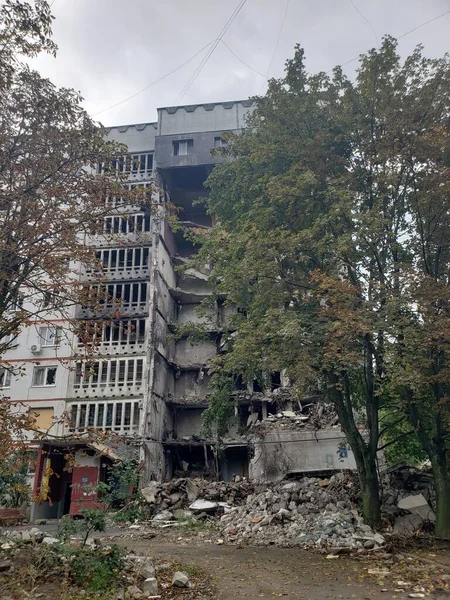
[109, 49]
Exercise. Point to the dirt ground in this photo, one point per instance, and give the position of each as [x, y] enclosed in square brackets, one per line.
[252, 573]
[249, 573]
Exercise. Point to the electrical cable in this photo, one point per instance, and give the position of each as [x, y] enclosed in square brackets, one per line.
[152, 83]
[199, 69]
[366, 20]
[447, 12]
[243, 62]
[277, 43]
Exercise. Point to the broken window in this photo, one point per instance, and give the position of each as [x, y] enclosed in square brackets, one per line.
[182, 147]
[5, 378]
[50, 335]
[275, 381]
[44, 376]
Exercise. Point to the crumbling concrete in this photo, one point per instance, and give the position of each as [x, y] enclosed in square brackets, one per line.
[283, 452]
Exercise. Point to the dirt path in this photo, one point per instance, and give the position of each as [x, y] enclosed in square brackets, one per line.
[253, 573]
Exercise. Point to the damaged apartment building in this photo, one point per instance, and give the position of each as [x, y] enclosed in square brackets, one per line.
[273, 435]
[146, 385]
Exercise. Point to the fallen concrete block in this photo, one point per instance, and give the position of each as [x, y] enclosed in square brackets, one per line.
[203, 506]
[417, 505]
[192, 491]
[150, 586]
[50, 541]
[180, 579]
[407, 525]
[149, 492]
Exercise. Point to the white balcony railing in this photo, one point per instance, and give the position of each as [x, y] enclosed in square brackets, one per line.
[119, 416]
[113, 337]
[111, 378]
[111, 298]
[121, 263]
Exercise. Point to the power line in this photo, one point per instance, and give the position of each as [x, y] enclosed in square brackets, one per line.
[366, 20]
[447, 12]
[199, 69]
[243, 62]
[277, 43]
[423, 24]
[152, 83]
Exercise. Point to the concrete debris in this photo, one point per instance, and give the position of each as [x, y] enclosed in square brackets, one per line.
[5, 565]
[180, 579]
[301, 513]
[50, 541]
[149, 492]
[200, 506]
[134, 593]
[404, 481]
[147, 570]
[179, 494]
[150, 586]
[417, 505]
[407, 525]
[311, 415]
[192, 491]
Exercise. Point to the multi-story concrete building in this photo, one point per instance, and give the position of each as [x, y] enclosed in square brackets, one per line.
[142, 383]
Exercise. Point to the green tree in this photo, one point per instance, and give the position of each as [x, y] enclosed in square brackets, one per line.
[51, 197]
[320, 242]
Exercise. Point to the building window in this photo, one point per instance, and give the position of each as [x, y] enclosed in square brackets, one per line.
[123, 259]
[43, 376]
[112, 333]
[122, 417]
[219, 142]
[17, 303]
[182, 147]
[136, 223]
[50, 335]
[141, 163]
[141, 194]
[112, 373]
[5, 378]
[43, 418]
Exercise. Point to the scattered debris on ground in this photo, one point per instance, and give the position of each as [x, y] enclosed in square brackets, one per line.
[31, 568]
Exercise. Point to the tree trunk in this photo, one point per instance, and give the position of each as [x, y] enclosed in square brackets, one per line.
[364, 453]
[370, 491]
[441, 477]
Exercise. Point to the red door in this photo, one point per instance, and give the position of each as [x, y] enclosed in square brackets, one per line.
[83, 496]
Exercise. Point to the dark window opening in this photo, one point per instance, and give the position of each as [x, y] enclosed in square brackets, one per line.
[275, 381]
[182, 147]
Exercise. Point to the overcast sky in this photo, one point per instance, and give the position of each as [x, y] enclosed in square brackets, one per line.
[110, 49]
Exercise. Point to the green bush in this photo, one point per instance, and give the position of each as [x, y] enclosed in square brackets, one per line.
[94, 519]
[95, 570]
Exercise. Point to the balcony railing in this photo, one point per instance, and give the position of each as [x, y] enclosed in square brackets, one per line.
[115, 298]
[113, 337]
[121, 263]
[114, 377]
[121, 417]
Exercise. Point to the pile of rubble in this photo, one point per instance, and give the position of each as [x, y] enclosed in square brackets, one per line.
[303, 513]
[174, 496]
[399, 482]
[311, 416]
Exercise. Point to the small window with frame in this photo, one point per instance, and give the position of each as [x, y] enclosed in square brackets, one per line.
[44, 376]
